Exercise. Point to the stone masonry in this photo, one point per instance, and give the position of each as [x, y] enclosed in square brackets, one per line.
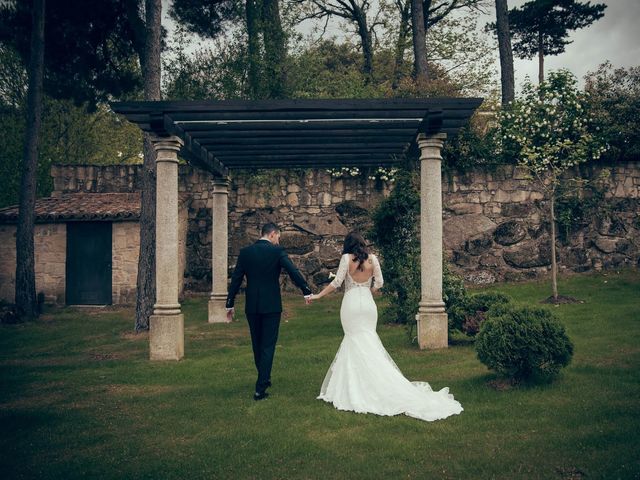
[495, 222]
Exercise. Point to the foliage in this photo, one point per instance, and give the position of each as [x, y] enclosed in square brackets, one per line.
[69, 133]
[463, 55]
[395, 232]
[90, 53]
[469, 313]
[471, 148]
[546, 24]
[578, 202]
[524, 344]
[216, 72]
[614, 97]
[328, 69]
[206, 18]
[551, 127]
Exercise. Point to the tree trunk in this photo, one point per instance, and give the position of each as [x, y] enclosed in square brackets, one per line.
[275, 49]
[253, 46]
[426, 11]
[506, 53]
[150, 61]
[367, 45]
[421, 71]
[405, 13]
[25, 294]
[540, 58]
[554, 265]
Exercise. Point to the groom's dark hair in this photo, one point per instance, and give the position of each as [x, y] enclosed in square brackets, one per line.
[267, 228]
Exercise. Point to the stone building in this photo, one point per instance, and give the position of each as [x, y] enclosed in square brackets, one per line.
[86, 248]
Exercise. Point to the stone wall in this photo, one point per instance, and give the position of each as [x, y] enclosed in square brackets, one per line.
[125, 243]
[50, 248]
[496, 223]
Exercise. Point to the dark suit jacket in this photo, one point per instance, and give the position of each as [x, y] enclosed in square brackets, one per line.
[262, 263]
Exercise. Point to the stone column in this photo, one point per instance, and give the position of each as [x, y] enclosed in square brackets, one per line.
[219, 251]
[166, 325]
[431, 317]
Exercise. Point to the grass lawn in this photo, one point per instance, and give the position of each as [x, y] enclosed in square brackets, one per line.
[79, 399]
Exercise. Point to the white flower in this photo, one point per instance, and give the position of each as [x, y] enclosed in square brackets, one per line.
[332, 275]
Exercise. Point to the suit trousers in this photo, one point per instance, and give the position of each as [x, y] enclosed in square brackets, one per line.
[264, 335]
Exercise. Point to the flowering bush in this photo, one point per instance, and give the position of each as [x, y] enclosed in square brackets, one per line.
[550, 128]
[343, 172]
[380, 173]
[384, 174]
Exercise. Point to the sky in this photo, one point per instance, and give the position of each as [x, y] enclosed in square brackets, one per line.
[615, 37]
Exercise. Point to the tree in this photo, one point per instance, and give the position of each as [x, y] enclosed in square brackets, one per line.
[25, 294]
[69, 133]
[266, 38]
[358, 12]
[90, 58]
[550, 130]
[147, 36]
[614, 95]
[424, 15]
[206, 18]
[87, 61]
[506, 53]
[421, 70]
[541, 27]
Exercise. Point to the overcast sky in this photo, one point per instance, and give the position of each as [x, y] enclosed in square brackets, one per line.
[615, 37]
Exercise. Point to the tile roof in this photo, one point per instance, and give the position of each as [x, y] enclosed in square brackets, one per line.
[81, 206]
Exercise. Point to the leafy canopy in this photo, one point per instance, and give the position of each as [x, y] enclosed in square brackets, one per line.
[550, 128]
[550, 22]
[89, 47]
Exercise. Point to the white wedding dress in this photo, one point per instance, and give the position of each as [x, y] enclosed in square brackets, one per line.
[363, 377]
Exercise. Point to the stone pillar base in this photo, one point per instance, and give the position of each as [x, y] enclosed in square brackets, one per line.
[166, 337]
[433, 330]
[218, 309]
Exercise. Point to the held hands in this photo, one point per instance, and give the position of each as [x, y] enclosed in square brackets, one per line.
[230, 313]
[308, 299]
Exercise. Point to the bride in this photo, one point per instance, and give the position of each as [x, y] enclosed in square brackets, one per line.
[363, 377]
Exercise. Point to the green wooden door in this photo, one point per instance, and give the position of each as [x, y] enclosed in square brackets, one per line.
[88, 280]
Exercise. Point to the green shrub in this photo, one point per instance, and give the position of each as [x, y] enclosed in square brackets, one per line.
[396, 234]
[524, 344]
[468, 314]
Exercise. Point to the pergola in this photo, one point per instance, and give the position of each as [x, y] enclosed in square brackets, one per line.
[222, 135]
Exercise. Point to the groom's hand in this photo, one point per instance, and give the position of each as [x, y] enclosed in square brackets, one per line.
[307, 299]
[230, 312]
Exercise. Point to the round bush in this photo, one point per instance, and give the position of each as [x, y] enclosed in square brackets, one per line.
[524, 344]
[468, 314]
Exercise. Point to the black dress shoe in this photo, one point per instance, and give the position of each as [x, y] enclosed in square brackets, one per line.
[260, 396]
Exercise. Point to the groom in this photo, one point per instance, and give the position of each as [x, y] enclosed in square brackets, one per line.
[262, 263]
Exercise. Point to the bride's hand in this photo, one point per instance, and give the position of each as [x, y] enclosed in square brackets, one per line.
[315, 297]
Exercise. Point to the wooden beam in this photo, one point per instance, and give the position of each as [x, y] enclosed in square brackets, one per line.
[319, 142]
[298, 104]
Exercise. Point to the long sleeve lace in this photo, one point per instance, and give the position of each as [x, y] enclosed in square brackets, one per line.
[343, 268]
[378, 280]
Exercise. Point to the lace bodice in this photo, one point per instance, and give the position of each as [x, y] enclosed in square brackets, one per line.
[343, 275]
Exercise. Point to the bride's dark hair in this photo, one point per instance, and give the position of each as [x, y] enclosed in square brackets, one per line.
[355, 245]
